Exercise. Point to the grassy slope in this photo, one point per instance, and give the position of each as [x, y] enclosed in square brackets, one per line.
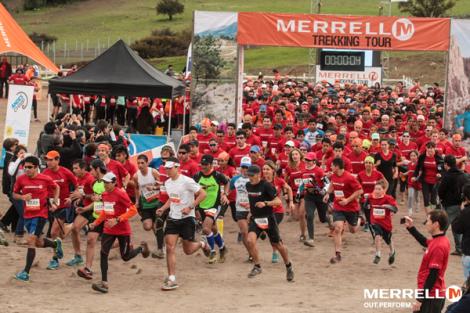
[95, 20]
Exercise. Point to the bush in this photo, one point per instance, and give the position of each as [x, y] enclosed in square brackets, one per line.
[38, 38]
[163, 43]
[37, 4]
[170, 8]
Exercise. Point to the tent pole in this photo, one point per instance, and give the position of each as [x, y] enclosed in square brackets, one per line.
[184, 114]
[48, 106]
[168, 134]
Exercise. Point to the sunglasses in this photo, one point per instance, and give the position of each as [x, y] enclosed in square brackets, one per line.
[240, 138]
[182, 152]
[55, 159]
[29, 167]
[309, 160]
[213, 145]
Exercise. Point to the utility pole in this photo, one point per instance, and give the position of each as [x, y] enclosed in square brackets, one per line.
[386, 54]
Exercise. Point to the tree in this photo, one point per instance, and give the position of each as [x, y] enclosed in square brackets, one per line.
[170, 8]
[207, 61]
[427, 8]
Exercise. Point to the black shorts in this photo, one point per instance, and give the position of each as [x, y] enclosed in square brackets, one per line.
[185, 228]
[203, 213]
[241, 215]
[346, 216]
[35, 225]
[88, 215]
[146, 214]
[279, 217]
[60, 214]
[379, 231]
[271, 229]
[98, 229]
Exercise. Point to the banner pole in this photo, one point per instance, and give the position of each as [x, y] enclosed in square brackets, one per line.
[239, 86]
[168, 134]
[447, 124]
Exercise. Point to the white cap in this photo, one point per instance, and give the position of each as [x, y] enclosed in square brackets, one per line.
[263, 86]
[245, 161]
[420, 117]
[109, 177]
[290, 143]
[215, 123]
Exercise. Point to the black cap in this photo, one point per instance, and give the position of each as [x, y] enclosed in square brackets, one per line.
[277, 126]
[207, 159]
[253, 170]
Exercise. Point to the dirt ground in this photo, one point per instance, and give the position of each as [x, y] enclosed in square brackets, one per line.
[135, 285]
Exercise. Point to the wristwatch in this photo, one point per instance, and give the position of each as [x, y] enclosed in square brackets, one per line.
[266, 203]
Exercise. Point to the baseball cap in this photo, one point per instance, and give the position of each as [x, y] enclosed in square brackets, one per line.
[172, 162]
[207, 159]
[311, 156]
[52, 154]
[392, 142]
[109, 177]
[253, 170]
[255, 149]
[375, 136]
[366, 143]
[245, 161]
[215, 123]
[290, 143]
[420, 118]
[262, 108]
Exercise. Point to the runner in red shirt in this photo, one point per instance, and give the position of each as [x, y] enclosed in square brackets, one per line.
[114, 166]
[457, 150]
[230, 139]
[338, 149]
[413, 186]
[255, 155]
[282, 188]
[293, 176]
[347, 191]
[187, 166]
[357, 156]
[266, 134]
[276, 143]
[406, 146]
[214, 150]
[203, 138]
[118, 209]
[82, 198]
[433, 266]
[64, 212]
[194, 153]
[382, 207]
[312, 179]
[241, 149]
[122, 156]
[33, 189]
[251, 139]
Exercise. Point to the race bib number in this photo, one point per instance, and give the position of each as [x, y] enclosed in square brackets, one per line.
[339, 194]
[215, 163]
[32, 205]
[175, 198]
[262, 223]
[379, 213]
[298, 181]
[149, 195]
[108, 208]
[307, 181]
[211, 212]
[98, 207]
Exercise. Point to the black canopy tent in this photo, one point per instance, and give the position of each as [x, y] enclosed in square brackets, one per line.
[118, 71]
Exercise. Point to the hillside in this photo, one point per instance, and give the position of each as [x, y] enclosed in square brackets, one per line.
[84, 29]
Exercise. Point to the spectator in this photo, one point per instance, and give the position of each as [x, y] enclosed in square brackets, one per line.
[5, 73]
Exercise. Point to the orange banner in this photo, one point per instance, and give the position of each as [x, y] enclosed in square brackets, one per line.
[343, 32]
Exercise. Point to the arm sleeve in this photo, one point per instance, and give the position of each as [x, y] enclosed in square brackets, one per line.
[430, 280]
[129, 213]
[100, 219]
[418, 236]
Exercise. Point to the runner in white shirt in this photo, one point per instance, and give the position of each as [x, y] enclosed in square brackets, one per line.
[185, 194]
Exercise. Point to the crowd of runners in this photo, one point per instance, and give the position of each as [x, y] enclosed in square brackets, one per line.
[349, 152]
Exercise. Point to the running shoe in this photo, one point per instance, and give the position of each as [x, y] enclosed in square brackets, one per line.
[249, 259]
[206, 249]
[457, 252]
[222, 253]
[4, 228]
[336, 258]
[366, 228]
[255, 271]
[302, 238]
[85, 273]
[290, 273]
[53, 264]
[262, 236]
[77, 260]
[212, 257]
[391, 258]
[309, 243]
[22, 276]
[169, 285]
[100, 287]
[145, 249]
[3, 239]
[58, 249]
[376, 259]
[158, 254]
[275, 258]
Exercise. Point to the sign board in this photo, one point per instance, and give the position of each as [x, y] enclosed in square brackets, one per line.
[20, 101]
[369, 76]
[343, 31]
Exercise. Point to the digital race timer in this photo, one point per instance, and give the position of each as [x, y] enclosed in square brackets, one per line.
[342, 60]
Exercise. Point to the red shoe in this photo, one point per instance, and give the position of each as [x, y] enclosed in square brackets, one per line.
[85, 273]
